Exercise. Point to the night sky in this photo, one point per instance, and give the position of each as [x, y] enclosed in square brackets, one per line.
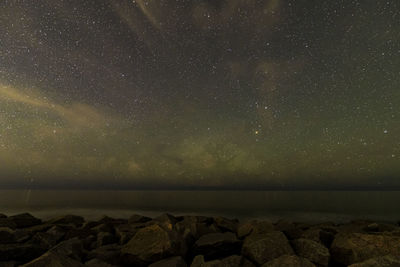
[200, 94]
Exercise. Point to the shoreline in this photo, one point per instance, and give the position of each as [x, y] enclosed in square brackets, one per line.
[187, 240]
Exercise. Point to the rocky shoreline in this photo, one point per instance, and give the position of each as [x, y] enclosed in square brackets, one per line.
[195, 241]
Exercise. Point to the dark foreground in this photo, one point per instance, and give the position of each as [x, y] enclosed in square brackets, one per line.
[194, 241]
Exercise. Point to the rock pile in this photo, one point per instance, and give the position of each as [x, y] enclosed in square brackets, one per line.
[196, 241]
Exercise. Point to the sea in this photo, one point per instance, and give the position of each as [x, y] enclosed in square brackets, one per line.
[301, 206]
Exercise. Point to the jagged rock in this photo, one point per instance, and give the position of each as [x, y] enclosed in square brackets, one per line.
[290, 229]
[58, 232]
[110, 254]
[385, 261]
[319, 235]
[104, 238]
[170, 262]
[226, 224]
[5, 222]
[166, 221]
[72, 248]
[311, 250]
[289, 260]
[125, 232]
[356, 247]
[138, 219]
[149, 244]
[112, 221]
[217, 245]
[231, 261]
[68, 219]
[51, 259]
[264, 247]
[7, 235]
[255, 227]
[8, 263]
[98, 263]
[104, 227]
[20, 252]
[24, 220]
[79, 233]
[44, 240]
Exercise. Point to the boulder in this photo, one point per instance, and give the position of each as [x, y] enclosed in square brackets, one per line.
[24, 220]
[7, 235]
[104, 227]
[72, 248]
[58, 232]
[68, 219]
[98, 263]
[217, 245]
[105, 238]
[150, 244]
[51, 259]
[264, 247]
[5, 222]
[356, 247]
[289, 260]
[20, 252]
[44, 240]
[135, 218]
[170, 262]
[312, 250]
[110, 254]
[256, 227]
[290, 229]
[385, 261]
[231, 261]
[319, 235]
[225, 224]
[125, 232]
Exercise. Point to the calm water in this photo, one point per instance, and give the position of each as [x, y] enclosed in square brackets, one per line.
[310, 206]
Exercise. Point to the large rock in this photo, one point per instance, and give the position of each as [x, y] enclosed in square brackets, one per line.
[105, 238]
[217, 245]
[289, 260]
[98, 263]
[150, 244]
[135, 218]
[254, 227]
[7, 235]
[20, 252]
[51, 259]
[231, 261]
[24, 220]
[322, 236]
[264, 247]
[225, 224]
[72, 248]
[385, 261]
[170, 262]
[5, 222]
[356, 247]
[311, 250]
[110, 254]
[68, 219]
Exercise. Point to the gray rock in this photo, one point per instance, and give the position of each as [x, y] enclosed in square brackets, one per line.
[98, 263]
[312, 250]
[149, 244]
[68, 219]
[217, 245]
[356, 247]
[170, 262]
[264, 247]
[51, 259]
[24, 220]
[7, 235]
[289, 260]
[385, 261]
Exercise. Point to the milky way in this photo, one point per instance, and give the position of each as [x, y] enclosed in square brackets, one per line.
[200, 94]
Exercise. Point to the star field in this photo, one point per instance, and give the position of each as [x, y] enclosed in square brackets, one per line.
[199, 94]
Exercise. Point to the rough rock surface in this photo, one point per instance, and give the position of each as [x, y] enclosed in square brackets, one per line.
[264, 247]
[312, 250]
[289, 260]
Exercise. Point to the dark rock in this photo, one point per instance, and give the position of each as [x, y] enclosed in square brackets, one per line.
[125, 232]
[170, 262]
[138, 219]
[98, 263]
[226, 224]
[24, 220]
[112, 221]
[7, 235]
[104, 227]
[379, 227]
[90, 225]
[319, 235]
[8, 263]
[68, 219]
[255, 227]
[110, 254]
[44, 240]
[2, 216]
[290, 229]
[79, 233]
[72, 248]
[105, 238]
[150, 244]
[231, 261]
[51, 259]
[58, 232]
[217, 245]
[20, 252]
[356, 247]
[312, 250]
[264, 247]
[385, 261]
[5, 222]
[289, 260]
[90, 242]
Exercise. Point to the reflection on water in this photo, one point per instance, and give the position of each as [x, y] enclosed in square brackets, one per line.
[295, 205]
